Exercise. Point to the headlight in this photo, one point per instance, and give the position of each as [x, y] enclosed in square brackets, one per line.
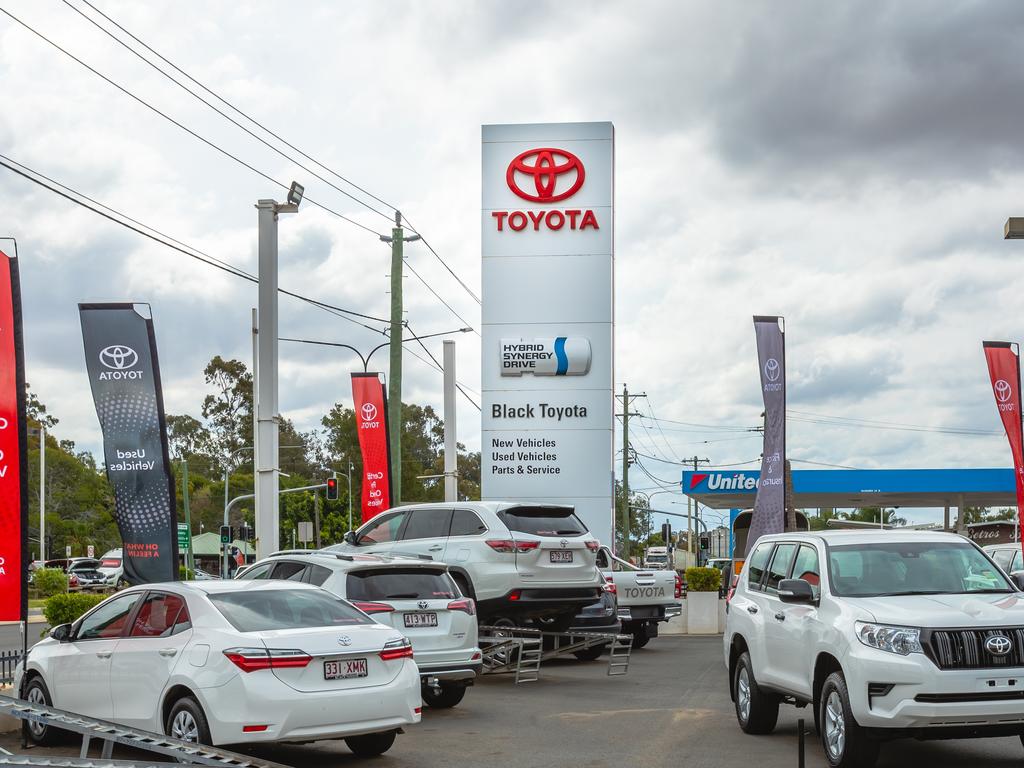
[901, 640]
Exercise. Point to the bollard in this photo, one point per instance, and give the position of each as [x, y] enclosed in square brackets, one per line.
[800, 743]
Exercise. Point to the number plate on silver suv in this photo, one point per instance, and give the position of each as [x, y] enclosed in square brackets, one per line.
[561, 556]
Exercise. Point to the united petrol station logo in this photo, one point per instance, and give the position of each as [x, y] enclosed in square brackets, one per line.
[545, 175]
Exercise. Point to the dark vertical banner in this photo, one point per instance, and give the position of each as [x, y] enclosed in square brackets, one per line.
[1003, 360]
[13, 450]
[770, 503]
[372, 427]
[120, 356]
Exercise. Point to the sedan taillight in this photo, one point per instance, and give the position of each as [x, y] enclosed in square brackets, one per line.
[511, 546]
[253, 659]
[396, 649]
[465, 605]
[369, 607]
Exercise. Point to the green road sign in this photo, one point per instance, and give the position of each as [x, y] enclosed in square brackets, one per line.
[184, 536]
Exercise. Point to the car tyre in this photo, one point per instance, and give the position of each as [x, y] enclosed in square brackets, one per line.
[640, 637]
[445, 697]
[187, 722]
[370, 745]
[590, 654]
[844, 741]
[756, 711]
[36, 692]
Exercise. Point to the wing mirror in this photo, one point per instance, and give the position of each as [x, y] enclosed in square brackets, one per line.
[61, 633]
[350, 538]
[795, 591]
[1017, 577]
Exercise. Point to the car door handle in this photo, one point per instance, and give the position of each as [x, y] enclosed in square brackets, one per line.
[104, 654]
[751, 609]
[168, 652]
[435, 548]
[780, 617]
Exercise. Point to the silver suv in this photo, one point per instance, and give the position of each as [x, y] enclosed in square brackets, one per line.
[518, 561]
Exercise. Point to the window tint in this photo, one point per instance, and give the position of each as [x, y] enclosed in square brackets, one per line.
[289, 570]
[1016, 564]
[543, 521]
[258, 610]
[317, 574]
[162, 615]
[807, 568]
[400, 584]
[261, 571]
[466, 523]
[779, 569]
[428, 524]
[758, 561]
[109, 619]
[382, 531]
[1002, 557]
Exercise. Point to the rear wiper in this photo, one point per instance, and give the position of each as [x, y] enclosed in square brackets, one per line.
[403, 596]
[567, 533]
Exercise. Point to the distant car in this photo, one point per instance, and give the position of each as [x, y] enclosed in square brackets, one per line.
[83, 575]
[112, 568]
[219, 662]
[200, 575]
[725, 565]
[603, 617]
[416, 597]
[1006, 556]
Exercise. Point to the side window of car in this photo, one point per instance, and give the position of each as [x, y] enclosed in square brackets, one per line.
[317, 575]
[428, 524]
[162, 615]
[261, 571]
[1003, 558]
[383, 531]
[109, 620]
[289, 570]
[758, 561]
[466, 523]
[1016, 564]
[807, 568]
[781, 563]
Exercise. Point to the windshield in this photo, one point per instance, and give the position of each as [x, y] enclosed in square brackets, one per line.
[912, 568]
[400, 584]
[259, 610]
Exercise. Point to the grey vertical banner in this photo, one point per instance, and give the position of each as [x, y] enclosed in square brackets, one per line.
[120, 356]
[770, 503]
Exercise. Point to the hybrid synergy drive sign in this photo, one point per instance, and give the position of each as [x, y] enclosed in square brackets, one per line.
[546, 225]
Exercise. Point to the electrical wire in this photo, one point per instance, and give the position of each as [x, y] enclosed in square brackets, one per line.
[439, 366]
[438, 297]
[443, 262]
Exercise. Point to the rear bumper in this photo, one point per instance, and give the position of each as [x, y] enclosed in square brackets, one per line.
[662, 612]
[609, 624]
[535, 602]
[465, 673]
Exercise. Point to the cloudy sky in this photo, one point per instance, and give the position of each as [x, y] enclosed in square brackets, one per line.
[846, 165]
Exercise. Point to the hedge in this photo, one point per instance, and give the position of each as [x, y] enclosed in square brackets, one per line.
[184, 574]
[67, 608]
[703, 579]
[50, 581]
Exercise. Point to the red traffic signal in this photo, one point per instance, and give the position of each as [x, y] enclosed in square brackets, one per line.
[332, 489]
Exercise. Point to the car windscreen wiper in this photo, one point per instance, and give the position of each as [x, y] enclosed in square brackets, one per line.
[992, 591]
[403, 596]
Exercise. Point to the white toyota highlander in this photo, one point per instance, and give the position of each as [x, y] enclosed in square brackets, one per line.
[887, 634]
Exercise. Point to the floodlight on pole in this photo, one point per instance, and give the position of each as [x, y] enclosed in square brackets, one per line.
[295, 192]
[1014, 228]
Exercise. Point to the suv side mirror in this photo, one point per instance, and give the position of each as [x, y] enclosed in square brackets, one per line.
[1017, 577]
[350, 538]
[795, 591]
[61, 633]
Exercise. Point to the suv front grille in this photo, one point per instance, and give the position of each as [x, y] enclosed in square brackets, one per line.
[965, 648]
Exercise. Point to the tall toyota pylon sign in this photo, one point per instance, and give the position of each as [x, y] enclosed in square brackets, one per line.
[770, 503]
[1003, 359]
[548, 317]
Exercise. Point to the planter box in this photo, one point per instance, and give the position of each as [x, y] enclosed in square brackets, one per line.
[702, 613]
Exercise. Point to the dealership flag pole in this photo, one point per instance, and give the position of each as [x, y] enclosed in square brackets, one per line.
[1003, 359]
[770, 502]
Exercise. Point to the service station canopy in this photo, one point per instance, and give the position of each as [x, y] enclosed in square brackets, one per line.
[848, 488]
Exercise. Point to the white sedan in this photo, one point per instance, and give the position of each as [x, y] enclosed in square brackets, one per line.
[224, 662]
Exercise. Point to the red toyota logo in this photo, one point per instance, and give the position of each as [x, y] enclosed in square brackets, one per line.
[546, 166]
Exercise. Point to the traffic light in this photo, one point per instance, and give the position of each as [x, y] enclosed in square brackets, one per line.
[666, 533]
[332, 489]
[705, 543]
[226, 534]
[244, 532]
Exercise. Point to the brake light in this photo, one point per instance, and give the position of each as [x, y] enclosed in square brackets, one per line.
[593, 545]
[609, 586]
[368, 607]
[679, 586]
[253, 659]
[396, 649]
[466, 605]
[511, 546]
[254, 728]
[514, 595]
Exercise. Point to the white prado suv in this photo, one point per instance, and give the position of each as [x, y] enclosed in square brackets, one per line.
[518, 561]
[887, 634]
[416, 597]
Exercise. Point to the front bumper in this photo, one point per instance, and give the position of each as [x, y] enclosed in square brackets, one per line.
[922, 696]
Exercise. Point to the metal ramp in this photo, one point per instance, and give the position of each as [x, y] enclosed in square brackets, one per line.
[521, 651]
[178, 752]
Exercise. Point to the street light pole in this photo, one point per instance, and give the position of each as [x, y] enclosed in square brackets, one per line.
[42, 493]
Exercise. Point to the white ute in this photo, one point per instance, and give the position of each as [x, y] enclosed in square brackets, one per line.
[645, 597]
[887, 634]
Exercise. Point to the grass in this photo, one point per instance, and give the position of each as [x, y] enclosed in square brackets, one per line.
[36, 602]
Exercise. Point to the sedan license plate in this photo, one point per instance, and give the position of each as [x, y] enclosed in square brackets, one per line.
[561, 556]
[342, 670]
[421, 619]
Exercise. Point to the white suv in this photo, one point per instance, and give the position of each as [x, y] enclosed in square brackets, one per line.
[518, 561]
[416, 597]
[888, 634]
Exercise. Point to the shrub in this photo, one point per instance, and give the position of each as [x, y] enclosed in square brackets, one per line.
[50, 581]
[184, 574]
[67, 608]
[703, 579]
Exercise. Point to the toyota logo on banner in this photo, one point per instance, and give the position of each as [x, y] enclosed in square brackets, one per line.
[549, 175]
[772, 369]
[368, 411]
[1003, 390]
[117, 357]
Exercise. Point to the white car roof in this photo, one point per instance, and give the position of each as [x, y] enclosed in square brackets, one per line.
[482, 506]
[862, 536]
[351, 561]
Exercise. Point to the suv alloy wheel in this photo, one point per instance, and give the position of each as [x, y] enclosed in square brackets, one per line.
[756, 711]
[845, 743]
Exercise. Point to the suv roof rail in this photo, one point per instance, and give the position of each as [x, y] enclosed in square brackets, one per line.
[322, 552]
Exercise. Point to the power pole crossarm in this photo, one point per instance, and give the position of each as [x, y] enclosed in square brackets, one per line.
[626, 413]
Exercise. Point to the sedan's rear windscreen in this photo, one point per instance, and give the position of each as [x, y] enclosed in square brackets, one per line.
[400, 584]
[258, 610]
[543, 521]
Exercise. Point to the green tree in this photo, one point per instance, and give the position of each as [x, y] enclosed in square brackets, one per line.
[871, 515]
[228, 409]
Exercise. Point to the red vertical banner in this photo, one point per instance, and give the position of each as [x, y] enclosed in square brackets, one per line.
[1004, 370]
[13, 454]
[372, 428]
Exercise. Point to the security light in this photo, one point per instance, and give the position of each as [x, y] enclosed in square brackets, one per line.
[295, 193]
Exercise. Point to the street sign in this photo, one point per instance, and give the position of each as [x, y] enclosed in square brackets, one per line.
[305, 532]
[184, 537]
[67, 551]
[90, 551]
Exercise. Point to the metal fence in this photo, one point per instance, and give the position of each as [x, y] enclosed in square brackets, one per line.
[8, 661]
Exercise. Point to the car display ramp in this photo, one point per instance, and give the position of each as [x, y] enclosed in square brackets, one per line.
[521, 650]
